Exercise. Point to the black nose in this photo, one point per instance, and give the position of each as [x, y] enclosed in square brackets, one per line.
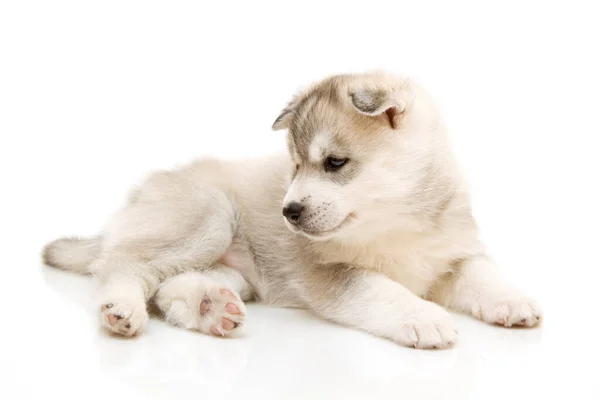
[292, 212]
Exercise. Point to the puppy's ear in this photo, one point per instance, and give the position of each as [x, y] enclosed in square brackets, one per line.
[377, 102]
[283, 120]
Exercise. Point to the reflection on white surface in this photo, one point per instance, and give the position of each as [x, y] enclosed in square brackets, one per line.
[282, 354]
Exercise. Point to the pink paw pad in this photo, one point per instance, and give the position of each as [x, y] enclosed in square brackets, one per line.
[232, 308]
[121, 321]
[205, 306]
[222, 310]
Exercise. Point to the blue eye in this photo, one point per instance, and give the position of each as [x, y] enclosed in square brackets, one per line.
[333, 164]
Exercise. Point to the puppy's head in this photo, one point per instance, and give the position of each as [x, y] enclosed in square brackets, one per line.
[358, 144]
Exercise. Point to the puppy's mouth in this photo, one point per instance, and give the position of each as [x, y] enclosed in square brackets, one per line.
[324, 234]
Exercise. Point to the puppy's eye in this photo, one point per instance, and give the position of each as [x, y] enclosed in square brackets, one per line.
[333, 164]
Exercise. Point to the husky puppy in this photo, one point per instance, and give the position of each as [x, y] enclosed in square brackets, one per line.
[366, 222]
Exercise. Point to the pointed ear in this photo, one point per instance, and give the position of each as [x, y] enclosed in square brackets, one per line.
[377, 102]
[283, 120]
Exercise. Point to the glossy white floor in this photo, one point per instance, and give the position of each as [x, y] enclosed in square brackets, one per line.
[95, 94]
[54, 347]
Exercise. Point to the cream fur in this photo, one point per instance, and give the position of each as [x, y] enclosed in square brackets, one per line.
[381, 241]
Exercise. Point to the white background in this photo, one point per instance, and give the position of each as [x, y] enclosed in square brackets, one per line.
[93, 95]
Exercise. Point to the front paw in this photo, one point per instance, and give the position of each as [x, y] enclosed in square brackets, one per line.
[429, 327]
[509, 310]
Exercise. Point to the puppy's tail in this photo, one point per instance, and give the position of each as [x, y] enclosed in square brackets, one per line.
[72, 254]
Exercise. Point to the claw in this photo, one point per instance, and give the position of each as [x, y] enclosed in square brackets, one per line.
[215, 330]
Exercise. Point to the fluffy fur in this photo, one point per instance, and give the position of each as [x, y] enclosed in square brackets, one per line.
[382, 244]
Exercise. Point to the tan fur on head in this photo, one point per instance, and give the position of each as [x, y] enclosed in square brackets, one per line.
[373, 94]
[396, 162]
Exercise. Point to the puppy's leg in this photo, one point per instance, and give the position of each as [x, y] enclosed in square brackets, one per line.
[476, 288]
[374, 303]
[209, 301]
[126, 284]
[168, 228]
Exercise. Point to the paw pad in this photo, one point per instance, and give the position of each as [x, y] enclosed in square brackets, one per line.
[222, 312]
[123, 319]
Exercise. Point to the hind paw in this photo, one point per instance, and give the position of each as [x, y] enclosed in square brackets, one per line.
[123, 317]
[201, 305]
[221, 311]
